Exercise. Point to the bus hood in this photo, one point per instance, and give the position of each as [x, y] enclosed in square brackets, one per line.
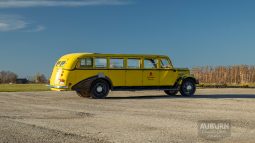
[183, 71]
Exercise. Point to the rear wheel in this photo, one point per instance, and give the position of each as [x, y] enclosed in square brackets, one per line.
[99, 89]
[188, 88]
[171, 92]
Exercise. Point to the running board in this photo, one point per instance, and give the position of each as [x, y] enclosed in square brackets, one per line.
[135, 88]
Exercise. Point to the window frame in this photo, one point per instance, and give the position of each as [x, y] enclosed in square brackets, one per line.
[78, 64]
[107, 62]
[168, 60]
[115, 58]
[134, 58]
[141, 61]
[148, 58]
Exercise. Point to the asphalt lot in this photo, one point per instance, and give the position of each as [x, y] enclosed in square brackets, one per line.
[144, 116]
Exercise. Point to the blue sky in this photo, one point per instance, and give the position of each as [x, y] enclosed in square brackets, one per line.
[35, 33]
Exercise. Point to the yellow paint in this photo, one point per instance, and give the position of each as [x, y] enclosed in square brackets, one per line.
[151, 77]
[117, 77]
[134, 77]
[167, 77]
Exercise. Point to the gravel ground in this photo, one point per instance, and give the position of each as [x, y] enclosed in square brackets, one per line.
[126, 117]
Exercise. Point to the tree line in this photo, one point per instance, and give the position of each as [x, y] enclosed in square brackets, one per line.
[235, 75]
[11, 77]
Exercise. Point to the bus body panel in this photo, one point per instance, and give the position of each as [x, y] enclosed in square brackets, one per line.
[151, 77]
[118, 77]
[134, 77]
[79, 75]
[168, 77]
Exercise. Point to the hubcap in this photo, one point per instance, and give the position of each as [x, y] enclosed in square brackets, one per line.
[189, 87]
[99, 89]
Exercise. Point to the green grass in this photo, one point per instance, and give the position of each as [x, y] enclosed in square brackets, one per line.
[23, 87]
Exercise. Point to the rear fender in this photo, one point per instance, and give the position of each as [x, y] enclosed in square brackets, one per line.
[86, 83]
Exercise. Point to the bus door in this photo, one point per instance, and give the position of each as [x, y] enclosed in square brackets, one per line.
[168, 75]
[150, 72]
[116, 71]
[134, 73]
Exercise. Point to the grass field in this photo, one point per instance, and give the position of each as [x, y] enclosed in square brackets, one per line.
[23, 87]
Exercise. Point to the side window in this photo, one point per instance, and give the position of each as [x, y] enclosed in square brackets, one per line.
[133, 63]
[100, 62]
[150, 63]
[116, 63]
[165, 63]
[85, 63]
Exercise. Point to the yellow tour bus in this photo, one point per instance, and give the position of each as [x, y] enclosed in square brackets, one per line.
[94, 75]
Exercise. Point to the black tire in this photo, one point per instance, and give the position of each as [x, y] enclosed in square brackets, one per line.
[171, 92]
[82, 93]
[99, 89]
[188, 88]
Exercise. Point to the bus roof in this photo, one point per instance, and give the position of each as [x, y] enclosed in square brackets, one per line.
[71, 59]
[79, 55]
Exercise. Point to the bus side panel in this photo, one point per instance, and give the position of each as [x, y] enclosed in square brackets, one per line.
[117, 77]
[78, 75]
[168, 77]
[151, 77]
[134, 77]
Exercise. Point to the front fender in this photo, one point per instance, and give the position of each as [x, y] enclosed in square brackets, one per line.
[183, 78]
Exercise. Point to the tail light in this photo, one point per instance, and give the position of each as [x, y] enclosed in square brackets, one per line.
[62, 73]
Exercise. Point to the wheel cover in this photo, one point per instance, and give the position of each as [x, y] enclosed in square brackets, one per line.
[188, 87]
[100, 89]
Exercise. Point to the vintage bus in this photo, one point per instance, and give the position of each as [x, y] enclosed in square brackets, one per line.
[94, 75]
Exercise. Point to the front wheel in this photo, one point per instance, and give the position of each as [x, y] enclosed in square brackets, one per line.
[99, 89]
[188, 88]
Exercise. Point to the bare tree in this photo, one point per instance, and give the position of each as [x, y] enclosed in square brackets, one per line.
[7, 77]
[237, 74]
[40, 78]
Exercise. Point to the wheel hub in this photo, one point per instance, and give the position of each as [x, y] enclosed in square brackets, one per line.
[99, 89]
[189, 87]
